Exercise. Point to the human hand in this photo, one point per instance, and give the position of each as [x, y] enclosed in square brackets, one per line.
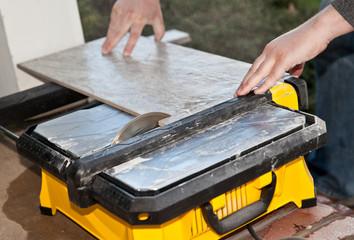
[133, 15]
[290, 51]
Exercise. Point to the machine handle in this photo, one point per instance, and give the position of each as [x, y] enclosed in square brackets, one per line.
[242, 216]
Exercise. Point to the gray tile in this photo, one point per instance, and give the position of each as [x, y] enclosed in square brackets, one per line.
[157, 77]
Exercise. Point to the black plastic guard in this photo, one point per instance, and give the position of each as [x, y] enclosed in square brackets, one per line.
[300, 87]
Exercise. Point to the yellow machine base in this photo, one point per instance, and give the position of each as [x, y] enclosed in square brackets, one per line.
[294, 184]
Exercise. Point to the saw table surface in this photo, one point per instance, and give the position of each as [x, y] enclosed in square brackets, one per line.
[157, 77]
[85, 131]
[169, 164]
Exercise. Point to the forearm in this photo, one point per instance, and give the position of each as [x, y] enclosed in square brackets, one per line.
[290, 51]
[330, 24]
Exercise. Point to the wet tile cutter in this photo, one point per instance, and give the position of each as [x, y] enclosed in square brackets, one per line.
[201, 177]
[214, 166]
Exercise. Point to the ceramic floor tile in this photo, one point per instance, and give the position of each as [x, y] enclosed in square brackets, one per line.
[157, 77]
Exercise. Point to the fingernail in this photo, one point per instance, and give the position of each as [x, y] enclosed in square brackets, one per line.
[104, 51]
[125, 54]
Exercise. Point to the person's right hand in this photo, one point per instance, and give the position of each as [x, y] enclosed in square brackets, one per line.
[290, 51]
[133, 15]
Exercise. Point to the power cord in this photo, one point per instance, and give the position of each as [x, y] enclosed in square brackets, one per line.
[257, 237]
[253, 233]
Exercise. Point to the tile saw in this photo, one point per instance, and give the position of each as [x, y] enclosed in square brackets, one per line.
[201, 177]
[215, 165]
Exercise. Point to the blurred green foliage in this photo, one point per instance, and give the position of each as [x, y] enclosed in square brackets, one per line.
[236, 29]
[95, 15]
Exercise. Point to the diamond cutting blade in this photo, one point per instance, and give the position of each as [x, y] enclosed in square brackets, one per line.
[139, 125]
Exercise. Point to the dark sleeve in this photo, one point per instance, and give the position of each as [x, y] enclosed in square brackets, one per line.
[345, 8]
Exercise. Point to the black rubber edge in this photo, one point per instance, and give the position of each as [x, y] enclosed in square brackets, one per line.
[311, 202]
[42, 155]
[46, 211]
[300, 87]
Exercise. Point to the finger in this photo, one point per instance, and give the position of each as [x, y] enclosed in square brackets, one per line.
[258, 75]
[297, 70]
[255, 66]
[135, 33]
[276, 74]
[254, 69]
[116, 18]
[114, 37]
[159, 28]
[118, 27]
[250, 72]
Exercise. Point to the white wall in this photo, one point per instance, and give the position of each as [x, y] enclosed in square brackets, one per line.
[31, 29]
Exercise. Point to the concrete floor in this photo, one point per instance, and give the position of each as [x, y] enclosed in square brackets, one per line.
[20, 217]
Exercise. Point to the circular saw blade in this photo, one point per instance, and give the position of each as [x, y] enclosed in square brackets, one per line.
[139, 125]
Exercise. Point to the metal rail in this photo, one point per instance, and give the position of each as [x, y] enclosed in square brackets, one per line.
[8, 133]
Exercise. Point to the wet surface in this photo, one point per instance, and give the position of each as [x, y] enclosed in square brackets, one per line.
[173, 162]
[85, 131]
[19, 201]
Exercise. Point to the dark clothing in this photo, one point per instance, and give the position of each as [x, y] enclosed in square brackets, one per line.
[333, 165]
